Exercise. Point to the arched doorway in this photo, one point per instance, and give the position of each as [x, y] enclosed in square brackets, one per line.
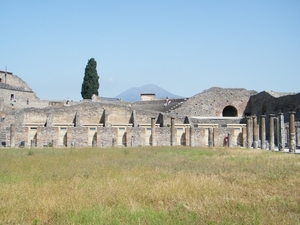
[229, 111]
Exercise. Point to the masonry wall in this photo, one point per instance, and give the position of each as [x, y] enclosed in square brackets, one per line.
[210, 103]
[14, 81]
[107, 136]
[265, 104]
[136, 137]
[20, 96]
[47, 136]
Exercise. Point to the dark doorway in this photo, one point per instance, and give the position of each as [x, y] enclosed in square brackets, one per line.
[229, 111]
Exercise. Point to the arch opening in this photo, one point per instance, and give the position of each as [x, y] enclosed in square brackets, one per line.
[229, 111]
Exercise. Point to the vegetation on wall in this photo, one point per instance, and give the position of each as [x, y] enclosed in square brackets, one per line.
[90, 83]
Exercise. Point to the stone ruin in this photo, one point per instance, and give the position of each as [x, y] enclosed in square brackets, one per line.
[216, 117]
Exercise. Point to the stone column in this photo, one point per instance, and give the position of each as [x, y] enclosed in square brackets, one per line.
[192, 136]
[106, 114]
[78, 119]
[281, 129]
[249, 132]
[134, 118]
[12, 135]
[153, 138]
[187, 136]
[244, 135]
[229, 140]
[271, 139]
[99, 141]
[214, 129]
[127, 136]
[210, 137]
[292, 139]
[49, 120]
[173, 141]
[255, 132]
[297, 136]
[263, 131]
[287, 134]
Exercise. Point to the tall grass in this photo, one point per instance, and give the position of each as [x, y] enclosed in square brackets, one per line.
[160, 185]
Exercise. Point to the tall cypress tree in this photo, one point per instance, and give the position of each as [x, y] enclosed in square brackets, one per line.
[90, 83]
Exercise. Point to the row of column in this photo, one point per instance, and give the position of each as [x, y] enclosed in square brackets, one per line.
[253, 137]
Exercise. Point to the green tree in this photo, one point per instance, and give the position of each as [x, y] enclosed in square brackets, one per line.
[90, 84]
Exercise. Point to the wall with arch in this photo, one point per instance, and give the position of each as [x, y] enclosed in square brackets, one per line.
[213, 102]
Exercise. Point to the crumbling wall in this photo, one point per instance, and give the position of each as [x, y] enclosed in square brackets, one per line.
[211, 103]
[13, 80]
[264, 104]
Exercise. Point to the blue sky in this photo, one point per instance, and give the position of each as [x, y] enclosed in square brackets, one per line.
[184, 47]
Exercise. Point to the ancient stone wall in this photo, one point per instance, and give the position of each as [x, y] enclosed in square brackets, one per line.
[20, 97]
[212, 102]
[107, 136]
[265, 103]
[136, 137]
[13, 87]
[13, 80]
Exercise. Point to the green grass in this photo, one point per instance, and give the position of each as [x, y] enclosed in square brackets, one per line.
[148, 185]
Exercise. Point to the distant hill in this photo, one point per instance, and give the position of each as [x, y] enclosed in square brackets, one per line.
[134, 94]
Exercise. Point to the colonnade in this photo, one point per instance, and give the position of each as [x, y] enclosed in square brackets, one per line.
[253, 130]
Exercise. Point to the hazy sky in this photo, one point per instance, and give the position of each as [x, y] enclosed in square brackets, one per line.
[182, 46]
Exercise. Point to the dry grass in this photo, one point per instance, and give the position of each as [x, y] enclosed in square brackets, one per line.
[148, 186]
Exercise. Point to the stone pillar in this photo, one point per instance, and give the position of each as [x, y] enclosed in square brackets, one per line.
[78, 119]
[187, 136]
[128, 137]
[192, 136]
[287, 134]
[297, 136]
[271, 139]
[55, 137]
[229, 140]
[249, 132]
[106, 114]
[153, 138]
[244, 135]
[292, 135]
[134, 118]
[214, 135]
[173, 141]
[49, 120]
[255, 132]
[281, 129]
[210, 137]
[38, 142]
[12, 135]
[263, 131]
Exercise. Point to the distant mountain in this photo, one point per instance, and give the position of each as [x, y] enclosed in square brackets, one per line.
[134, 94]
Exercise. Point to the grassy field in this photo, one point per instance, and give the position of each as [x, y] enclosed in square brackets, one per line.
[149, 185]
